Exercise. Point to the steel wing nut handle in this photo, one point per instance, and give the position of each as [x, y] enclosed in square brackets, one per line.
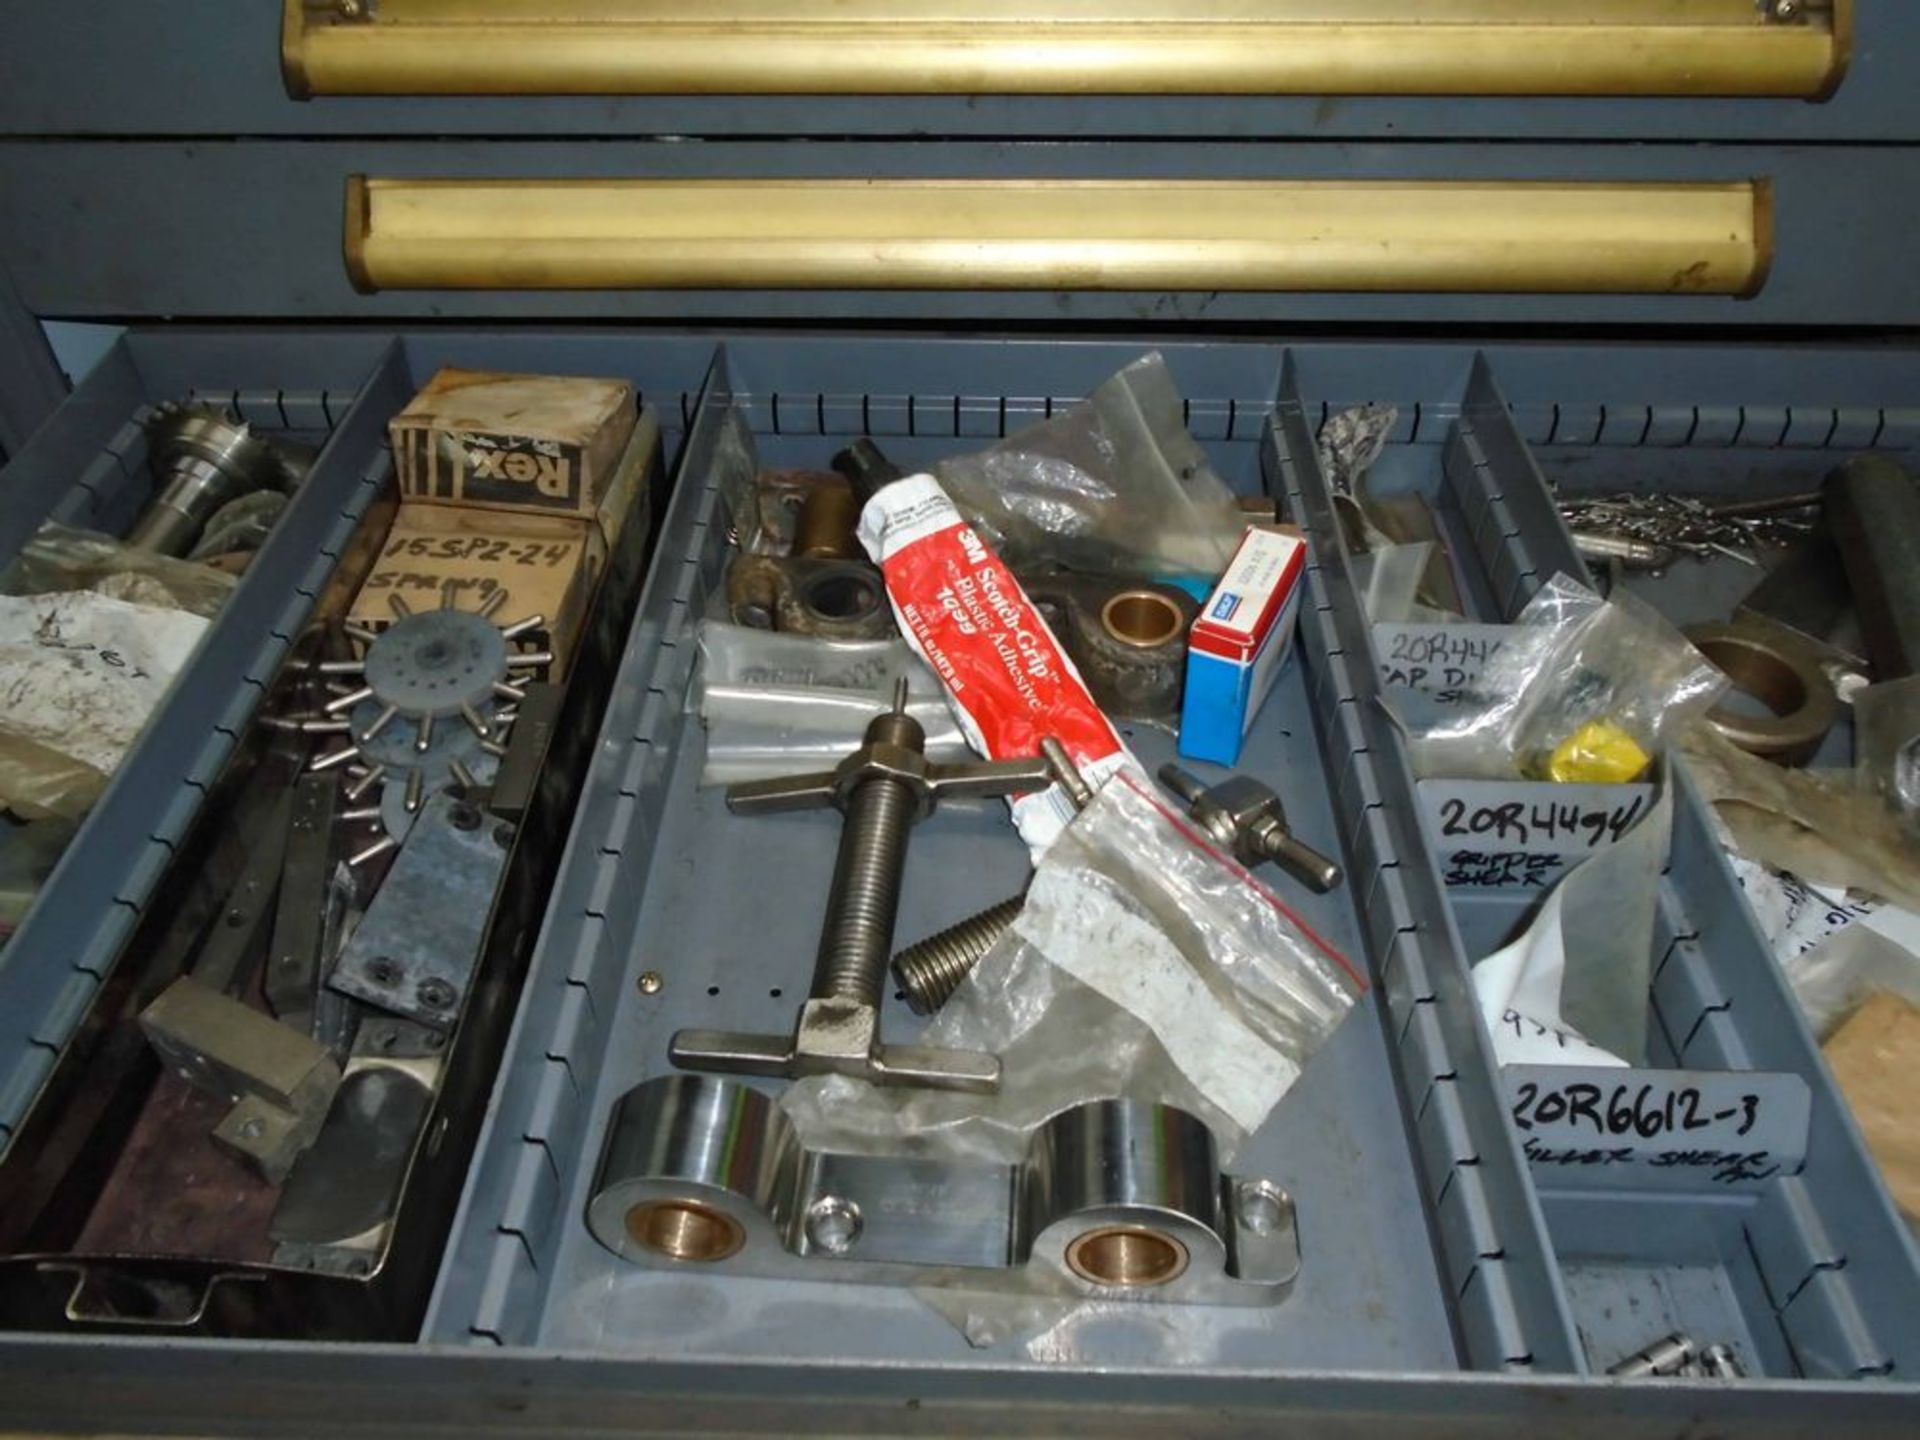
[883, 789]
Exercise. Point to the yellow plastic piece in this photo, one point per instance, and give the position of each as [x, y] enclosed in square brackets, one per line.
[1598, 753]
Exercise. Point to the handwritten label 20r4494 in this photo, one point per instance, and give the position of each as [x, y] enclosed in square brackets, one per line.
[1584, 1127]
[1525, 833]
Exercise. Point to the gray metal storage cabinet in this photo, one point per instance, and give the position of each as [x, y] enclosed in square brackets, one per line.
[1447, 1288]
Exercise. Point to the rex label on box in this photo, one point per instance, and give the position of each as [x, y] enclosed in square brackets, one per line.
[1238, 642]
[535, 444]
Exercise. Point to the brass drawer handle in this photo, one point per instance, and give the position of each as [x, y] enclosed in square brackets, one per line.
[1787, 48]
[1290, 235]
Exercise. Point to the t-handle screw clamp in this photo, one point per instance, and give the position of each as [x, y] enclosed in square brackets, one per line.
[883, 789]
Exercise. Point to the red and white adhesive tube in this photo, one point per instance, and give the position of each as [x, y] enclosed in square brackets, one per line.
[1009, 683]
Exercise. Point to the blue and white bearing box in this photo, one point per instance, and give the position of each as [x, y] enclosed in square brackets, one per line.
[1239, 642]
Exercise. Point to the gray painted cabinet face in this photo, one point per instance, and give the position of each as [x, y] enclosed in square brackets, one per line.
[158, 174]
[1834, 261]
[1430, 1250]
[203, 68]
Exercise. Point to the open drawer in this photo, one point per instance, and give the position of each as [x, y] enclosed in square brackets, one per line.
[1442, 1280]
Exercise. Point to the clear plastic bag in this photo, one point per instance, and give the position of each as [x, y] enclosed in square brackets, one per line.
[1572, 989]
[1145, 963]
[59, 558]
[1389, 581]
[775, 704]
[1112, 486]
[81, 673]
[1585, 691]
[1352, 442]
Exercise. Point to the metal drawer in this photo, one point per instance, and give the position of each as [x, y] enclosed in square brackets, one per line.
[1808, 240]
[1815, 1272]
[1448, 1282]
[1710, 70]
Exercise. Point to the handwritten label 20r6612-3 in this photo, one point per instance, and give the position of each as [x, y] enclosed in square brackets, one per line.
[1657, 1129]
[1647, 1110]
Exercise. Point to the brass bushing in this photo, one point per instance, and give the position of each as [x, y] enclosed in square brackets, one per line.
[1143, 619]
[1127, 1256]
[1782, 675]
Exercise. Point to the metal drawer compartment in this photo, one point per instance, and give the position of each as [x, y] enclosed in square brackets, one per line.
[88, 468]
[524, 1271]
[1810, 1273]
[104, 1229]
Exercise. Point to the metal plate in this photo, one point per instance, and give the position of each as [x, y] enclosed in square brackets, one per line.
[415, 948]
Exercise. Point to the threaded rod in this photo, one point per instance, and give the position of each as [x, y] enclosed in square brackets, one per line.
[858, 931]
[932, 970]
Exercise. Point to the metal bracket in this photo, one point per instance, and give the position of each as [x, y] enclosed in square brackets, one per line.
[1116, 1199]
[281, 1082]
[414, 951]
[293, 961]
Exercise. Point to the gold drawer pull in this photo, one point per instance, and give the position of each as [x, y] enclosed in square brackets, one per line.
[1791, 48]
[1248, 235]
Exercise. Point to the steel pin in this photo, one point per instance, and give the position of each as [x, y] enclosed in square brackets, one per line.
[380, 722]
[375, 850]
[366, 782]
[349, 700]
[521, 627]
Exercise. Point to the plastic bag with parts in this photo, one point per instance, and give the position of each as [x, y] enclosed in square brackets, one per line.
[1111, 486]
[1584, 691]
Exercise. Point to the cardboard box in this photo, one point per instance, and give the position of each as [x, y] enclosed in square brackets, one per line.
[631, 489]
[548, 565]
[1238, 643]
[1875, 1056]
[530, 444]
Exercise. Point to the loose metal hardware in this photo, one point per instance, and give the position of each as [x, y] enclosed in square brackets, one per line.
[1769, 665]
[428, 705]
[831, 599]
[1117, 1199]
[824, 585]
[1129, 641]
[414, 950]
[1246, 818]
[281, 1081]
[930, 970]
[1680, 1355]
[203, 461]
[883, 789]
[292, 977]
